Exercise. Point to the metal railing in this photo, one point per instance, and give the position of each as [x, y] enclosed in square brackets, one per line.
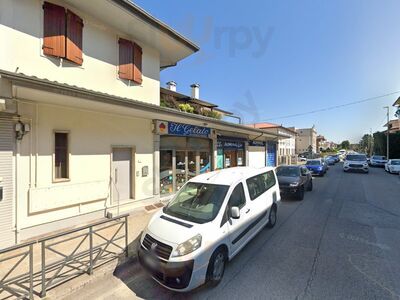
[65, 256]
[12, 282]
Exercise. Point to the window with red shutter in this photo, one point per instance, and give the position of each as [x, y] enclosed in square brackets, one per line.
[137, 65]
[54, 30]
[74, 38]
[125, 59]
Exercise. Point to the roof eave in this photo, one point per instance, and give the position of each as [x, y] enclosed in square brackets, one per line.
[148, 18]
[60, 88]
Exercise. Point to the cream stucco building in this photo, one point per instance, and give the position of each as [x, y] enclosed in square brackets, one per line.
[82, 133]
[305, 138]
[286, 145]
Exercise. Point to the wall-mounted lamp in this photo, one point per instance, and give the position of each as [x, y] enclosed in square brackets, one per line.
[21, 129]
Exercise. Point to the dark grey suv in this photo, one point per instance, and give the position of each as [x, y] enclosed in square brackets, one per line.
[294, 180]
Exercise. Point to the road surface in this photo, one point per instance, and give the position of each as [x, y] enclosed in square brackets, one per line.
[342, 241]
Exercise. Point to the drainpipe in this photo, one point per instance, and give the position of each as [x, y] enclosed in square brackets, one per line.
[235, 117]
[18, 143]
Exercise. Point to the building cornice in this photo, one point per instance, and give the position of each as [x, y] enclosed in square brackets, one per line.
[74, 91]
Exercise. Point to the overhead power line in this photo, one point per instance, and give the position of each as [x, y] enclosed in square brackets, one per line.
[333, 107]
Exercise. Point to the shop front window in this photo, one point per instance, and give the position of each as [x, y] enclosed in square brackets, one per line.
[240, 158]
[191, 164]
[230, 158]
[166, 174]
[205, 162]
[231, 154]
[180, 169]
[181, 159]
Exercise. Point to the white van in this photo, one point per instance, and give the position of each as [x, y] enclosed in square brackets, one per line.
[210, 219]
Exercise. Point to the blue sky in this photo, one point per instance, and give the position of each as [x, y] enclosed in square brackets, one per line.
[266, 59]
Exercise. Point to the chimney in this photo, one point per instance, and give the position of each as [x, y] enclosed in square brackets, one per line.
[195, 90]
[171, 85]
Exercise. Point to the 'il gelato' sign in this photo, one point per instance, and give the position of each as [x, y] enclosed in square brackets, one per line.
[173, 128]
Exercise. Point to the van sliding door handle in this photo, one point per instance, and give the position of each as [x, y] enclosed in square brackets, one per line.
[248, 210]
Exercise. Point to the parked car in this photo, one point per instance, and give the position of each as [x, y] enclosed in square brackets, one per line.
[378, 161]
[330, 160]
[393, 166]
[316, 167]
[336, 157]
[210, 219]
[325, 164]
[294, 180]
[356, 162]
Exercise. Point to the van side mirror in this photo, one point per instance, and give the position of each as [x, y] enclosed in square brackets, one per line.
[235, 212]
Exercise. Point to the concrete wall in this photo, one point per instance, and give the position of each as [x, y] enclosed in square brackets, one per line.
[92, 137]
[21, 33]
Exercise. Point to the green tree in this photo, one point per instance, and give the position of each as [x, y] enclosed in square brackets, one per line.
[345, 145]
[380, 144]
[366, 143]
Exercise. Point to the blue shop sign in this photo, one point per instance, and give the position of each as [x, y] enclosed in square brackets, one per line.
[230, 145]
[257, 143]
[173, 128]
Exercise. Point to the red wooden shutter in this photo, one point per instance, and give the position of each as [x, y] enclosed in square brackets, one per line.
[125, 59]
[74, 38]
[137, 66]
[54, 30]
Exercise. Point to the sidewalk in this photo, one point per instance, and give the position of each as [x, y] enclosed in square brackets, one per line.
[79, 243]
[103, 276]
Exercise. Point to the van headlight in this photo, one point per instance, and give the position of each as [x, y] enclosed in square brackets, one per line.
[187, 247]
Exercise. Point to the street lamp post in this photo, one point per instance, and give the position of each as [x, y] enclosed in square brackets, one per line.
[387, 133]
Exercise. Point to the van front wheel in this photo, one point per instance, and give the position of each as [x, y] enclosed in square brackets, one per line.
[216, 267]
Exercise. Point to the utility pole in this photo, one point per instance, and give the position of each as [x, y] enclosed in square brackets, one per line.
[387, 133]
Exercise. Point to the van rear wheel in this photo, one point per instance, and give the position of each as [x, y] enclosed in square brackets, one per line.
[216, 267]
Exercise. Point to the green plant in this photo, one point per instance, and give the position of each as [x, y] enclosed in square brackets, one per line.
[186, 108]
[212, 114]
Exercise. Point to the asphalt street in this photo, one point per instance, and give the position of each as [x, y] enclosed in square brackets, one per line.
[341, 242]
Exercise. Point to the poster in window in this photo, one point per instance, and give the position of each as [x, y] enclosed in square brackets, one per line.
[227, 162]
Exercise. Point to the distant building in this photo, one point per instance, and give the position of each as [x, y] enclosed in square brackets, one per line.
[394, 126]
[397, 105]
[323, 144]
[305, 138]
[286, 150]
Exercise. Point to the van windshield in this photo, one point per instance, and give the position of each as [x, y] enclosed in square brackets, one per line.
[197, 202]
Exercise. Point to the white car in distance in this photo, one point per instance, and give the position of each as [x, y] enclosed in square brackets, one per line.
[393, 166]
[356, 162]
